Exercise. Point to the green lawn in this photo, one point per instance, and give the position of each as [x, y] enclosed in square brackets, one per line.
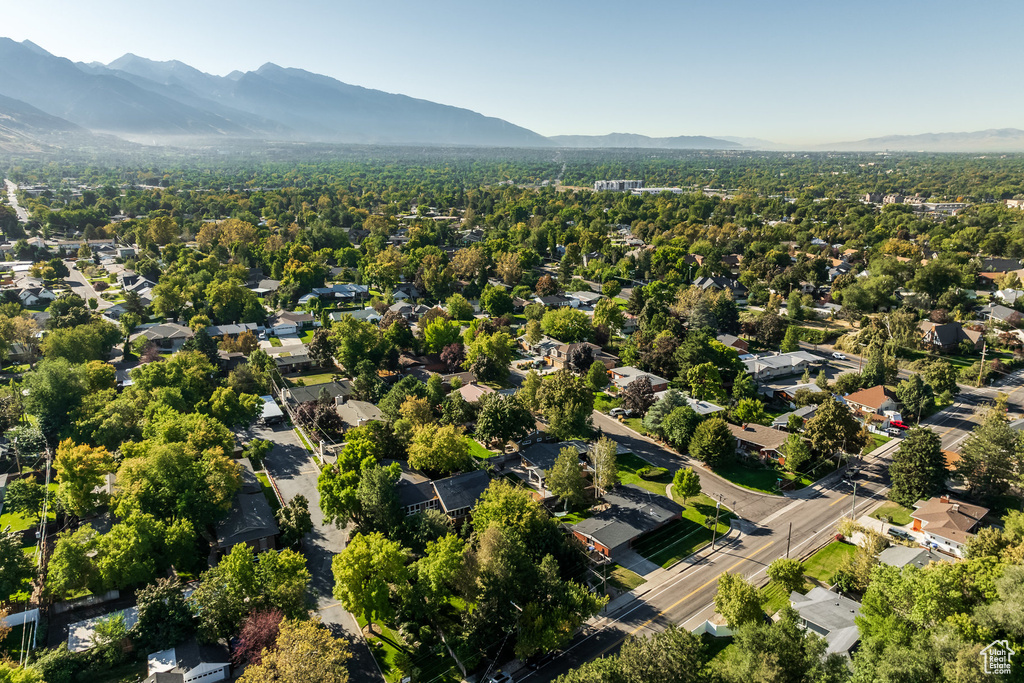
[895, 513]
[753, 477]
[478, 451]
[721, 650]
[274, 341]
[874, 442]
[439, 668]
[312, 378]
[603, 402]
[307, 336]
[625, 580]
[682, 537]
[635, 423]
[822, 564]
[268, 491]
[776, 596]
[628, 464]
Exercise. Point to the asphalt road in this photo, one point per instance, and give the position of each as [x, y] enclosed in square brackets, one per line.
[82, 287]
[12, 198]
[293, 469]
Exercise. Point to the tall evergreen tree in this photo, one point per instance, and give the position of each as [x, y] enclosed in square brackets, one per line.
[918, 468]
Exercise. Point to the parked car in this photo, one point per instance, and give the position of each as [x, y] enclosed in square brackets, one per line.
[615, 412]
[894, 431]
[900, 534]
[897, 424]
[500, 677]
[838, 356]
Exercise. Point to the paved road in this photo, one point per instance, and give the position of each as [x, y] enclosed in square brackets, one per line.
[295, 472]
[82, 287]
[744, 502]
[685, 594]
[12, 198]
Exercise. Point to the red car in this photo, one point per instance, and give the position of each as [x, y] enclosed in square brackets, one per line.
[897, 423]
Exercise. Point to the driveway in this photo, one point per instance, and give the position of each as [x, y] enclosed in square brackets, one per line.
[295, 472]
[82, 287]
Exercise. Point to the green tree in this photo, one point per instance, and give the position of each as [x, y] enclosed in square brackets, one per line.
[490, 355]
[914, 394]
[660, 410]
[365, 572]
[530, 390]
[603, 457]
[377, 499]
[941, 377]
[567, 404]
[988, 454]
[784, 652]
[440, 564]
[80, 471]
[712, 442]
[918, 468]
[321, 348]
[163, 615]
[743, 387]
[750, 410]
[70, 568]
[608, 314]
[23, 495]
[738, 601]
[597, 376]
[833, 427]
[791, 342]
[533, 332]
[305, 651]
[794, 307]
[294, 521]
[567, 325]
[565, 479]
[679, 425]
[796, 452]
[435, 389]
[441, 332]
[459, 308]
[503, 418]
[686, 484]
[496, 301]
[440, 449]
[706, 383]
[55, 388]
[788, 573]
[15, 566]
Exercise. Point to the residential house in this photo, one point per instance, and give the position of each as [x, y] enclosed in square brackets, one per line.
[947, 524]
[188, 662]
[293, 361]
[554, 301]
[406, 291]
[805, 414]
[539, 457]
[250, 521]
[999, 313]
[473, 392]
[763, 442]
[455, 496]
[946, 337]
[734, 342]
[1010, 296]
[720, 283]
[900, 556]
[357, 413]
[291, 322]
[629, 324]
[218, 331]
[872, 401]
[168, 336]
[703, 408]
[265, 287]
[632, 512]
[338, 392]
[365, 314]
[623, 376]
[584, 299]
[831, 616]
[271, 413]
[762, 368]
[558, 356]
[995, 264]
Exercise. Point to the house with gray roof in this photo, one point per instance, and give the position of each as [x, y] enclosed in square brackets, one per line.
[998, 313]
[831, 616]
[166, 335]
[187, 662]
[357, 413]
[901, 556]
[632, 512]
[455, 496]
[250, 521]
[946, 337]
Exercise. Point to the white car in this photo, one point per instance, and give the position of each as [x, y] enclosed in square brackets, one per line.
[615, 412]
[838, 356]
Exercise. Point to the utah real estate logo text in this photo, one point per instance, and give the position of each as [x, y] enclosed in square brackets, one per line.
[997, 656]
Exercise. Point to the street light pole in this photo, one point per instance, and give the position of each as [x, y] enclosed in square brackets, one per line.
[714, 531]
[853, 510]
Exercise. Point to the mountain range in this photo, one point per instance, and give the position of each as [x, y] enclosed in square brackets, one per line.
[48, 100]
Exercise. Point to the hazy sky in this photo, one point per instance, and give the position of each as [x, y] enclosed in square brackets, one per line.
[811, 71]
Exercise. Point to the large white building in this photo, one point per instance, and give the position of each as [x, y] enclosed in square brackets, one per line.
[617, 185]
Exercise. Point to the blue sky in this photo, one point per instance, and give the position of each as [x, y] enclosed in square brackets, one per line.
[781, 70]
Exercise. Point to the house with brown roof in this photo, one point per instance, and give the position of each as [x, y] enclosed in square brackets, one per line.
[760, 441]
[559, 355]
[947, 523]
[872, 401]
[946, 337]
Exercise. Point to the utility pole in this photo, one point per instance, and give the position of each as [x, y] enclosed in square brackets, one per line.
[984, 347]
[788, 539]
[714, 531]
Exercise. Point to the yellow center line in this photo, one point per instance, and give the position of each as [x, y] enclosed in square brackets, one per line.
[838, 500]
[696, 590]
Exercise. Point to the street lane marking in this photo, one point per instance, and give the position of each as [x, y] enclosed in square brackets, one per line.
[697, 590]
[838, 500]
